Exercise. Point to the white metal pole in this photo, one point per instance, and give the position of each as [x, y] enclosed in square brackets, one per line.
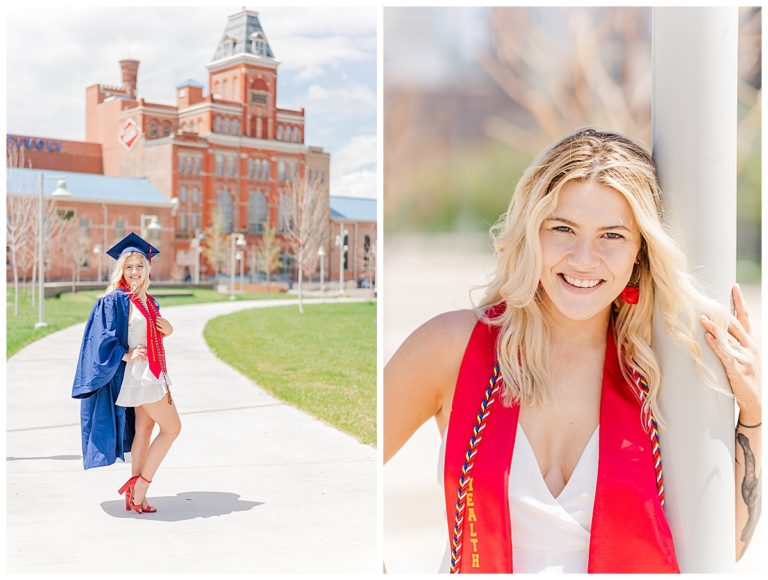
[232, 267]
[197, 263]
[341, 258]
[242, 271]
[41, 272]
[694, 141]
[322, 273]
[103, 236]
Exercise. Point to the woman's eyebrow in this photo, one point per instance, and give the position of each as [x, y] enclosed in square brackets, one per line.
[574, 224]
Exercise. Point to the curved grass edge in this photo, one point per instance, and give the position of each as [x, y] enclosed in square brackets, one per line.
[322, 362]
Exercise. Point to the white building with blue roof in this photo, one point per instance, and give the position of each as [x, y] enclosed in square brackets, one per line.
[102, 210]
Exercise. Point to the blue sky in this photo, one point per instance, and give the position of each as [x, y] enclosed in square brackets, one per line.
[327, 56]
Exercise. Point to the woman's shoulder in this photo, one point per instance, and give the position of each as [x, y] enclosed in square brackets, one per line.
[111, 299]
[451, 327]
[444, 338]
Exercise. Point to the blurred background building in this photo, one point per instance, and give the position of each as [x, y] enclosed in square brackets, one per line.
[471, 96]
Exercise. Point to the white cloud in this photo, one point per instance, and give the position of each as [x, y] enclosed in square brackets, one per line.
[295, 52]
[46, 80]
[357, 184]
[358, 153]
[351, 98]
[309, 73]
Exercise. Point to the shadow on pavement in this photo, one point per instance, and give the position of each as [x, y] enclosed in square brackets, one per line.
[53, 457]
[185, 506]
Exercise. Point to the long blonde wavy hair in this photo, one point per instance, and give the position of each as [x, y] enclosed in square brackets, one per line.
[119, 270]
[617, 162]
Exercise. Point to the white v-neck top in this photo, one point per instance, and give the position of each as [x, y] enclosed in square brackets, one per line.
[548, 534]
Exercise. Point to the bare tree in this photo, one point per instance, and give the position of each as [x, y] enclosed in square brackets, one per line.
[77, 248]
[19, 221]
[266, 252]
[596, 70]
[19, 226]
[216, 248]
[304, 221]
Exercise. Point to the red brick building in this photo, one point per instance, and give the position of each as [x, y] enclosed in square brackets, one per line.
[232, 150]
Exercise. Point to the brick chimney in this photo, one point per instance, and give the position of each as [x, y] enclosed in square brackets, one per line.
[130, 72]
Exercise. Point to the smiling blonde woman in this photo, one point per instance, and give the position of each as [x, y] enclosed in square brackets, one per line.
[556, 369]
[122, 378]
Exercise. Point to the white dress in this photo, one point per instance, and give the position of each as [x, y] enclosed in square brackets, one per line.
[139, 384]
[548, 534]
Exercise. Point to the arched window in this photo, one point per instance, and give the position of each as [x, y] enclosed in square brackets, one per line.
[226, 125]
[265, 169]
[279, 132]
[258, 44]
[229, 46]
[257, 212]
[154, 129]
[295, 134]
[166, 129]
[250, 168]
[183, 194]
[217, 124]
[224, 200]
[235, 127]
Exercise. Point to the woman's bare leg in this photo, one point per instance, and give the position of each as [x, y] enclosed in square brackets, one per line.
[143, 426]
[167, 418]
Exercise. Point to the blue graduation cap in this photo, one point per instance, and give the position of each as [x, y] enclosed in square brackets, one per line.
[133, 243]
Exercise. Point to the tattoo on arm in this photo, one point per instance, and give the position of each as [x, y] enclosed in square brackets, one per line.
[750, 489]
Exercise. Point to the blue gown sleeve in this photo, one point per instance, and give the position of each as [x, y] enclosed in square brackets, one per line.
[102, 348]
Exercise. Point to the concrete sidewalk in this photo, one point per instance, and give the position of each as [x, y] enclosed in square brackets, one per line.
[251, 485]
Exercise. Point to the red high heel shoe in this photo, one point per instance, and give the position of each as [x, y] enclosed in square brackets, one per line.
[127, 489]
[141, 508]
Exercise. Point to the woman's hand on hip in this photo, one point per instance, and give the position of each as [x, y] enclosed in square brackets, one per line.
[743, 372]
[164, 326]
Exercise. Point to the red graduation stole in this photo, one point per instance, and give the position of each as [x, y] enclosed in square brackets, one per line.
[629, 530]
[155, 348]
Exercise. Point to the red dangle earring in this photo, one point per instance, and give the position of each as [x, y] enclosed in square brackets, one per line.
[631, 293]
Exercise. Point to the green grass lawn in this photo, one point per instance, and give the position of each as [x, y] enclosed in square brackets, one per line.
[72, 308]
[322, 361]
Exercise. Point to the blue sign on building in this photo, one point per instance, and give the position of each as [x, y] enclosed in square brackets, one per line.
[33, 143]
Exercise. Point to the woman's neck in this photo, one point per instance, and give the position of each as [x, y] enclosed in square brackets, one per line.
[589, 333]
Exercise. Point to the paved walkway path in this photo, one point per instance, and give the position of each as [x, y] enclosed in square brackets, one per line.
[251, 485]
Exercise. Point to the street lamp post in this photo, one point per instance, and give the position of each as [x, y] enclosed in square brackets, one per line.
[343, 233]
[154, 225]
[59, 192]
[321, 253]
[197, 250]
[241, 261]
[236, 240]
[97, 253]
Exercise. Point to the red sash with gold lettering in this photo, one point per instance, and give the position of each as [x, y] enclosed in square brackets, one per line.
[629, 530]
